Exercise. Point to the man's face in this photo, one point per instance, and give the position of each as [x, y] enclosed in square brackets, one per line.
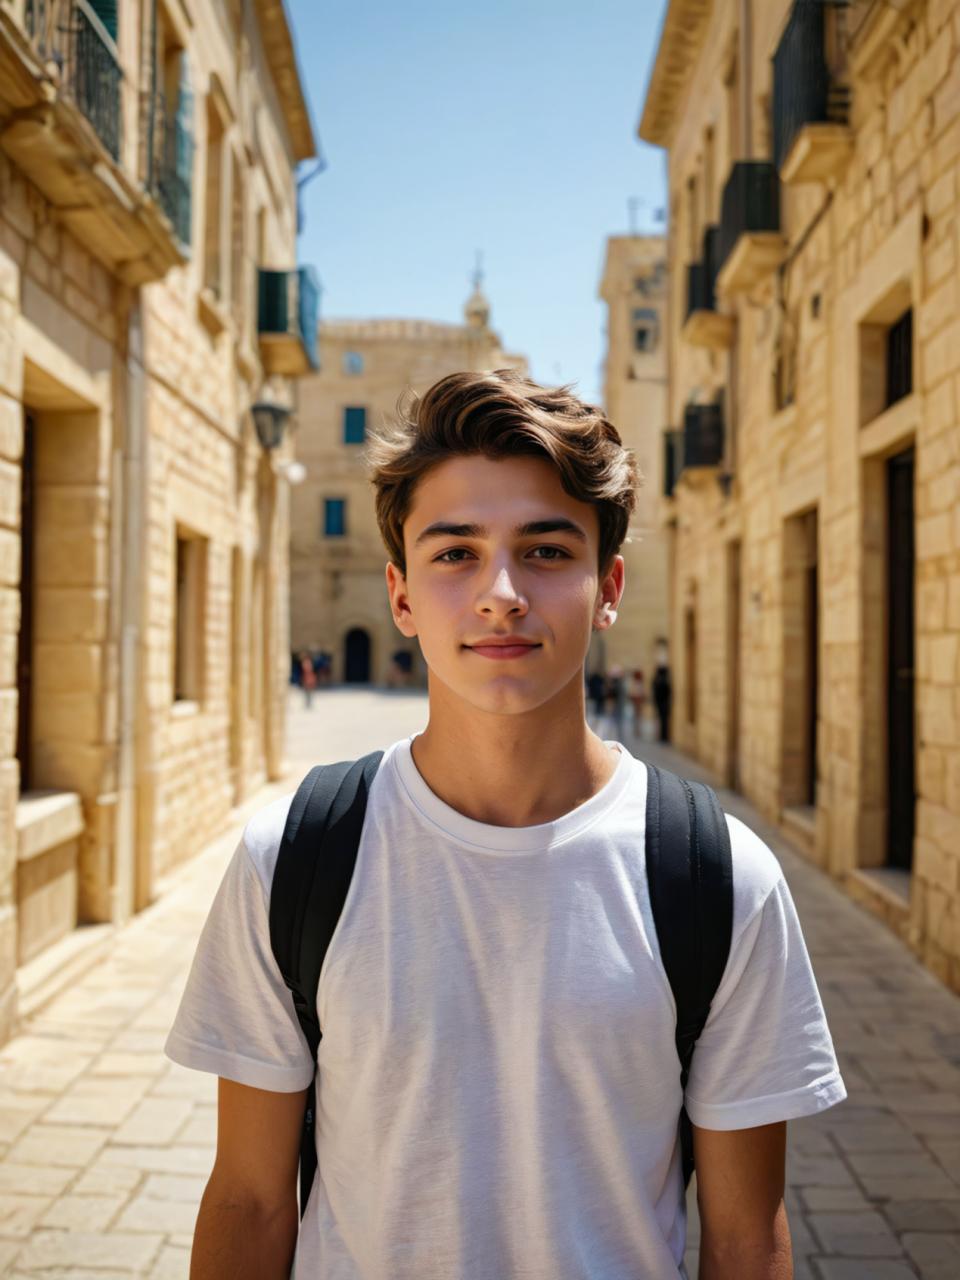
[502, 586]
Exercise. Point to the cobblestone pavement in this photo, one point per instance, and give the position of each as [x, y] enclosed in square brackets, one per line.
[105, 1145]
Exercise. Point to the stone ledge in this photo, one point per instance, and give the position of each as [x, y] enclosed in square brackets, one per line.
[46, 819]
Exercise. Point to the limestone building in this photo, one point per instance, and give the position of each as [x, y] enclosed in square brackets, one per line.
[814, 156]
[149, 298]
[338, 591]
[634, 287]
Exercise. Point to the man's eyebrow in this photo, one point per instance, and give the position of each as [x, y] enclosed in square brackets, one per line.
[533, 528]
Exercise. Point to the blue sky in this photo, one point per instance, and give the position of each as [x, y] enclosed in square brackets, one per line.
[507, 126]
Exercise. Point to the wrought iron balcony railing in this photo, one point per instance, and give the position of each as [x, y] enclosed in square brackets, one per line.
[289, 320]
[72, 35]
[751, 204]
[168, 159]
[703, 435]
[702, 276]
[804, 91]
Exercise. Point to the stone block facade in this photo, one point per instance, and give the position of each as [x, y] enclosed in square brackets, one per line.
[338, 591]
[816, 612]
[634, 288]
[142, 681]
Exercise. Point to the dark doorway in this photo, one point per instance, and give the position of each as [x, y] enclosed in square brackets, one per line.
[356, 657]
[901, 762]
[812, 623]
[25, 640]
[690, 641]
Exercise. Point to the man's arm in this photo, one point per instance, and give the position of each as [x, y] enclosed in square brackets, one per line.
[247, 1225]
[743, 1223]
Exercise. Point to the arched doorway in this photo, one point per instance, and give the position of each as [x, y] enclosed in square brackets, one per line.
[356, 656]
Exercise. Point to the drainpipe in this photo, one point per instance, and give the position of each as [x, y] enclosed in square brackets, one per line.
[130, 470]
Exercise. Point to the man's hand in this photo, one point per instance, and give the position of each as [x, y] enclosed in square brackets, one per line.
[743, 1223]
[247, 1225]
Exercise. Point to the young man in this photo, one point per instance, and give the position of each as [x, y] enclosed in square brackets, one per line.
[498, 1087]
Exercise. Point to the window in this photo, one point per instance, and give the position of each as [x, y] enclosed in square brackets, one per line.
[352, 363]
[213, 217]
[189, 630]
[886, 353]
[645, 328]
[900, 358]
[238, 252]
[354, 425]
[334, 517]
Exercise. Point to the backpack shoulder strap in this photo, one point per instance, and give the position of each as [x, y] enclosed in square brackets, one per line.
[318, 851]
[315, 863]
[690, 878]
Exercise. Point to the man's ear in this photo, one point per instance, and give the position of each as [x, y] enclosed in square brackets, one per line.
[609, 595]
[400, 601]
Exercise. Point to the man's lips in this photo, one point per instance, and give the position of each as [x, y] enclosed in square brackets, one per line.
[503, 647]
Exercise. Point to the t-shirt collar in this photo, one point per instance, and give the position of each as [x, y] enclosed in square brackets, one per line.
[483, 836]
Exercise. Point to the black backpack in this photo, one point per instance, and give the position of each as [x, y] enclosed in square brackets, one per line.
[689, 872]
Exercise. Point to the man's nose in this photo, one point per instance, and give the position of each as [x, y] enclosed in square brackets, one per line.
[502, 596]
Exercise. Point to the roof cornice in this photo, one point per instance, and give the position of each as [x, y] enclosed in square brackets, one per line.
[277, 37]
[681, 38]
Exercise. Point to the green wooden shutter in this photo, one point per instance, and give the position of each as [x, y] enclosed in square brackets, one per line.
[106, 11]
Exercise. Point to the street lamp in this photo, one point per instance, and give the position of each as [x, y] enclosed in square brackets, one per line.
[269, 418]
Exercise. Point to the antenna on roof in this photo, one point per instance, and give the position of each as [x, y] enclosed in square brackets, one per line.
[633, 208]
[477, 277]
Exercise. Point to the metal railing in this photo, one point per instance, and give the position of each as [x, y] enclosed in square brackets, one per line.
[167, 165]
[751, 202]
[702, 276]
[803, 89]
[703, 435]
[70, 34]
[289, 302]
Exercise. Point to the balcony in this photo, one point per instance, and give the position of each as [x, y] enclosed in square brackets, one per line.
[671, 461]
[168, 147]
[812, 140]
[706, 325]
[61, 123]
[702, 436]
[749, 245]
[289, 312]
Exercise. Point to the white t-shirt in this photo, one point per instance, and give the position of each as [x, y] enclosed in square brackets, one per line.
[498, 1087]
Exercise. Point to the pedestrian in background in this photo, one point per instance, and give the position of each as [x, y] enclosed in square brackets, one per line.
[308, 678]
[617, 701]
[597, 693]
[637, 692]
[662, 690]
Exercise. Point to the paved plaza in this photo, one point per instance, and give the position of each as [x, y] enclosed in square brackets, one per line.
[105, 1145]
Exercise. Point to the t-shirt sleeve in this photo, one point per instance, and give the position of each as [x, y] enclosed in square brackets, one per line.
[765, 1054]
[236, 1018]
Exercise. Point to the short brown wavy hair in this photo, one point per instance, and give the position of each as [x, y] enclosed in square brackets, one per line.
[498, 415]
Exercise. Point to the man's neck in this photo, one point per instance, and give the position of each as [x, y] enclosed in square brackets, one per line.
[512, 771]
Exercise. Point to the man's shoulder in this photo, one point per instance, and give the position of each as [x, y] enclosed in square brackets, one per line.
[756, 870]
[262, 836]
[264, 831]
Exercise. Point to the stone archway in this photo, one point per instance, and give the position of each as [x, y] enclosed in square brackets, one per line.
[356, 656]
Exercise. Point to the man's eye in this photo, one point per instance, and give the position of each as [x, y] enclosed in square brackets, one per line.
[455, 553]
[552, 553]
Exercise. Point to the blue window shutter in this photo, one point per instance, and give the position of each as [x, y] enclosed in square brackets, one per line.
[334, 517]
[354, 425]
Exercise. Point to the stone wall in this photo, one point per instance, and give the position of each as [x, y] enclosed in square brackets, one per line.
[138, 399]
[881, 238]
